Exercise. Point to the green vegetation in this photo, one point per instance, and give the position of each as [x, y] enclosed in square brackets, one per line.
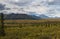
[32, 29]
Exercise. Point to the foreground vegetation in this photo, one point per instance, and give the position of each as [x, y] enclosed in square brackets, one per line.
[31, 29]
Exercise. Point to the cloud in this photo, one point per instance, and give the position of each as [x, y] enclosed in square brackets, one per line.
[20, 2]
[39, 9]
[47, 7]
[54, 2]
[2, 7]
[28, 5]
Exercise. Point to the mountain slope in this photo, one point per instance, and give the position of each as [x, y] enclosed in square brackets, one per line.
[43, 16]
[18, 16]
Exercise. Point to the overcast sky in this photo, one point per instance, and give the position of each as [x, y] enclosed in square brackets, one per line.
[48, 7]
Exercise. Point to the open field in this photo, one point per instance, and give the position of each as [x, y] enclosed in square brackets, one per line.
[32, 29]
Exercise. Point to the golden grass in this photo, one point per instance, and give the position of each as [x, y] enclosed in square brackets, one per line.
[32, 29]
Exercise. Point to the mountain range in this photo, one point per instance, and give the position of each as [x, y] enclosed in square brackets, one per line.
[13, 16]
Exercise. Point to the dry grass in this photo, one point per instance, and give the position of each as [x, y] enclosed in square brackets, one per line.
[32, 29]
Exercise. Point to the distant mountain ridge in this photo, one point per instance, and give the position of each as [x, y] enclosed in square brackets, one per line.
[13, 16]
[43, 16]
[19, 16]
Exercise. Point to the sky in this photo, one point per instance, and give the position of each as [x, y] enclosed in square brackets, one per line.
[50, 8]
